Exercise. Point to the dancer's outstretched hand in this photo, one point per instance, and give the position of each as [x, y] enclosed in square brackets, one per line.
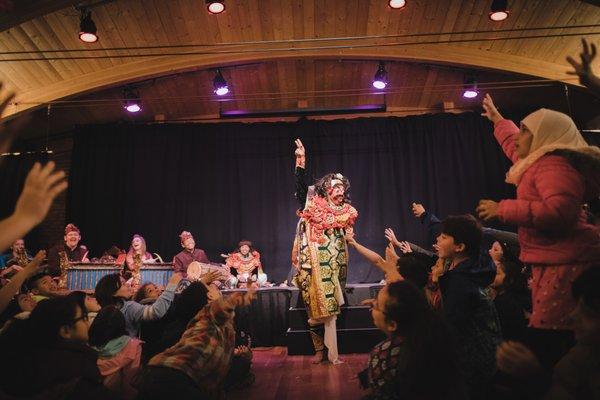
[490, 110]
[300, 153]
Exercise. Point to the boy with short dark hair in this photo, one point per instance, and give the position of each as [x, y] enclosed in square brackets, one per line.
[466, 306]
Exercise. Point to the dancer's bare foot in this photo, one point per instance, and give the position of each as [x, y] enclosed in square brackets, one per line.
[337, 361]
[318, 358]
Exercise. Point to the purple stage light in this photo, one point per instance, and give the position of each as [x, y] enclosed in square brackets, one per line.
[220, 84]
[380, 80]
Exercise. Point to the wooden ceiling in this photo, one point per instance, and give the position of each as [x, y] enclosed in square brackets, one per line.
[277, 53]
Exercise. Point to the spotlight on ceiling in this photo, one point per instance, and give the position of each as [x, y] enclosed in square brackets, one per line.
[215, 7]
[380, 80]
[470, 88]
[397, 4]
[87, 27]
[132, 101]
[499, 10]
[220, 84]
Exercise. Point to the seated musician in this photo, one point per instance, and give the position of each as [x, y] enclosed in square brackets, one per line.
[189, 253]
[71, 247]
[246, 261]
[137, 256]
[20, 256]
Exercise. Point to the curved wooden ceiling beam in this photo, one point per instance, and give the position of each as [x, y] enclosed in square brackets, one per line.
[154, 67]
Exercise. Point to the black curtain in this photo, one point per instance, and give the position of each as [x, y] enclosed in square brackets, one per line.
[13, 171]
[231, 181]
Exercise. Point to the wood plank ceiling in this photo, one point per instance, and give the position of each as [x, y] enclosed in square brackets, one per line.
[292, 51]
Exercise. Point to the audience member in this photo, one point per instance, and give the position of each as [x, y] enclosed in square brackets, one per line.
[119, 355]
[112, 290]
[577, 374]
[555, 172]
[417, 360]
[196, 366]
[47, 356]
[466, 307]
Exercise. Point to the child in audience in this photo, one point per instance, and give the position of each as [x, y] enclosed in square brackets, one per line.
[147, 293]
[467, 308]
[19, 308]
[555, 172]
[119, 355]
[42, 286]
[196, 366]
[417, 359]
[112, 290]
[47, 356]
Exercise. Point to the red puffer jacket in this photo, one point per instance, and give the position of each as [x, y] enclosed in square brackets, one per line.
[548, 208]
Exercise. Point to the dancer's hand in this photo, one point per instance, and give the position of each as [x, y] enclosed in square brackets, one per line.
[391, 236]
[350, 238]
[490, 111]
[487, 209]
[418, 209]
[300, 154]
[584, 69]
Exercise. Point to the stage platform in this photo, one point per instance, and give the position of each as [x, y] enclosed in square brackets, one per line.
[278, 318]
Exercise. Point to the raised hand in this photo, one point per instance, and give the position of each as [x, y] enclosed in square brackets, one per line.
[350, 238]
[42, 185]
[583, 69]
[300, 154]
[487, 209]
[210, 276]
[418, 209]
[175, 278]
[405, 247]
[390, 254]
[391, 237]
[32, 268]
[489, 110]
[517, 360]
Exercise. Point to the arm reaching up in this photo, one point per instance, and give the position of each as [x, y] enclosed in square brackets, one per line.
[583, 69]
[41, 187]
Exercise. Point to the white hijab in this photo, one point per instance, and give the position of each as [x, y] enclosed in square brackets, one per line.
[551, 131]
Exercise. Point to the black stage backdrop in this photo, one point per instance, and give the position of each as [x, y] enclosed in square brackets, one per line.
[231, 181]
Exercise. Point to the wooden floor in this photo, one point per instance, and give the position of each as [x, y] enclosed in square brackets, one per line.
[279, 376]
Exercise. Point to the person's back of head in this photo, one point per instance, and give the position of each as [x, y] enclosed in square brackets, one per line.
[415, 267]
[106, 289]
[190, 301]
[109, 324]
[430, 346]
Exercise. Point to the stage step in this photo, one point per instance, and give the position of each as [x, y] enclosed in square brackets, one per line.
[358, 340]
[351, 317]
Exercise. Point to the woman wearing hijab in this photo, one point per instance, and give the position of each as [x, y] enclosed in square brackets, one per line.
[555, 172]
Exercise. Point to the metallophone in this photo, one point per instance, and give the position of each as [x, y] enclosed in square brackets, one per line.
[84, 276]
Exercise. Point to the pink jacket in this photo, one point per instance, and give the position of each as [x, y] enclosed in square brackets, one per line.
[118, 371]
[548, 208]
